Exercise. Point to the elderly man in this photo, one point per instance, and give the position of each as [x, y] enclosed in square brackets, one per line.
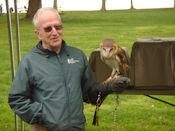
[54, 79]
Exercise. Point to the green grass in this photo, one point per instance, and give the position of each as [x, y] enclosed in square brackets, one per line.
[85, 30]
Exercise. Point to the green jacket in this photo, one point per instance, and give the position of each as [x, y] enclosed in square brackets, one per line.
[49, 89]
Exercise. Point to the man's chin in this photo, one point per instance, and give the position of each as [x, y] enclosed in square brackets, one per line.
[56, 44]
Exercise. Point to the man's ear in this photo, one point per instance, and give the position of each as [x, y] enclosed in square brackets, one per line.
[37, 33]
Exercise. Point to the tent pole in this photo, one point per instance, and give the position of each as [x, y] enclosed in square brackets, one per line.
[11, 53]
[17, 32]
[18, 43]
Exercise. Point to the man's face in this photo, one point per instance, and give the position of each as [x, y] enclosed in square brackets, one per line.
[50, 31]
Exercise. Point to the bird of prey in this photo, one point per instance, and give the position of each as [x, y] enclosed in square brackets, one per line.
[115, 57]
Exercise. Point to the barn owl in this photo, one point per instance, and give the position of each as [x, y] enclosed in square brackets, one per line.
[115, 57]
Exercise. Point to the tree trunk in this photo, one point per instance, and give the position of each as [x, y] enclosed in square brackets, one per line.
[103, 7]
[132, 7]
[55, 4]
[34, 5]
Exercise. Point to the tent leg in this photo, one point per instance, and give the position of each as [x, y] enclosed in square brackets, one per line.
[12, 49]
[11, 52]
[17, 32]
[18, 43]
[160, 100]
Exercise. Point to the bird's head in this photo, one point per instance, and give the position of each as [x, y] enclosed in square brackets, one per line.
[108, 48]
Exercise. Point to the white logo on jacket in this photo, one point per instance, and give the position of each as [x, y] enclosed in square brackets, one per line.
[72, 61]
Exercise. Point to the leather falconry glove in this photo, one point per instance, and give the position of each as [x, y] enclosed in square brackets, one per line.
[115, 85]
[108, 87]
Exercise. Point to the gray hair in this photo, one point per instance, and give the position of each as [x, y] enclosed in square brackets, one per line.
[40, 12]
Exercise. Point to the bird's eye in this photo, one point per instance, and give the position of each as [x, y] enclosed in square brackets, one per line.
[104, 49]
[110, 49]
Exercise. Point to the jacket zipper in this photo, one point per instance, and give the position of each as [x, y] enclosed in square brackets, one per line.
[65, 84]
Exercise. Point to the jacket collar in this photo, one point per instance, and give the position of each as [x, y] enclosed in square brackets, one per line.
[39, 49]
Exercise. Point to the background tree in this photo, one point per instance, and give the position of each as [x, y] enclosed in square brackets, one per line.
[103, 7]
[132, 7]
[55, 4]
[34, 5]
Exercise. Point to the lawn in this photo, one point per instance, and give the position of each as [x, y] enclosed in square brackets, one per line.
[85, 30]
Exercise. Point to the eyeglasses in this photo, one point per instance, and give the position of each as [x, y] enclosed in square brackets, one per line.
[50, 28]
